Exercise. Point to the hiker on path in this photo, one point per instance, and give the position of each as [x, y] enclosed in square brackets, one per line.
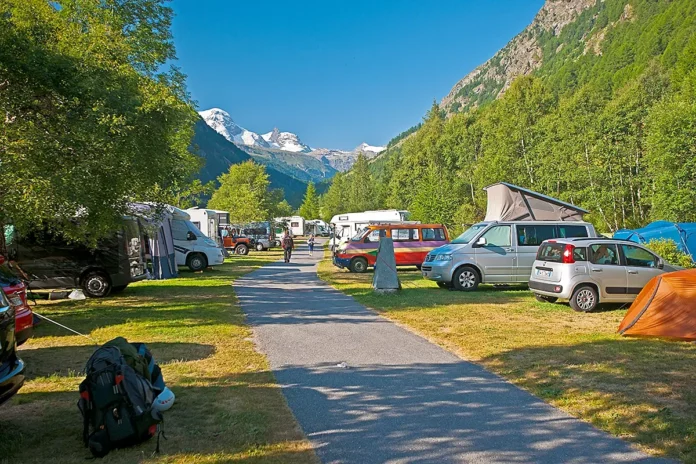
[288, 244]
[310, 244]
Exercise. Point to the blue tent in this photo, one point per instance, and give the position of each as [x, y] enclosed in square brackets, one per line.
[684, 234]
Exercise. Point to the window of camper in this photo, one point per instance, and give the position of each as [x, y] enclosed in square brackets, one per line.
[429, 234]
[375, 235]
[565, 231]
[179, 230]
[498, 236]
[401, 235]
[294, 224]
[533, 235]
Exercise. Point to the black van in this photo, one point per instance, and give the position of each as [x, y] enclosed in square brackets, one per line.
[11, 367]
[49, 262]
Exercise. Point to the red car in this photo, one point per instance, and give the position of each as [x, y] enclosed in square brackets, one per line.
[16, 292]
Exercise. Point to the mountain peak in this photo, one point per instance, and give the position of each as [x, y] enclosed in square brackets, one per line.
[366, 148]
[221, 121]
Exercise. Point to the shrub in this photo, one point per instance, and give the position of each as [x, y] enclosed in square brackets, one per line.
[670, 252]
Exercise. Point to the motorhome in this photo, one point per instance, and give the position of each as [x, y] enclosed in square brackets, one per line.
[193, 248]
[317, 227]
[294, 224]
[47, 260]
[345, 226]
[207, 221]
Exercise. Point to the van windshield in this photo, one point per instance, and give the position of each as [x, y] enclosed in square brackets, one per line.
[359, 236]
[469, 234]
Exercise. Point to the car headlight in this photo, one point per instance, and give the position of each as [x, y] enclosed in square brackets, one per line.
[443, 257]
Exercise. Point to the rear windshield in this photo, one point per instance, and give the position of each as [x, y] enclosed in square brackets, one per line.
[553, 252]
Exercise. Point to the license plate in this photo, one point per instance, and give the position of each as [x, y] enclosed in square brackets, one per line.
[543, 273]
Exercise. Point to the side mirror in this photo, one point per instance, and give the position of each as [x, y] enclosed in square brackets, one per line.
[190, 235]
[660, 264]
[481, 242]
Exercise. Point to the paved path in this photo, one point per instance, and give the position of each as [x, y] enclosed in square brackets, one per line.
[367, 391]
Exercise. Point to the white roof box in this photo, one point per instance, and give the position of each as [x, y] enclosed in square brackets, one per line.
[507, 202]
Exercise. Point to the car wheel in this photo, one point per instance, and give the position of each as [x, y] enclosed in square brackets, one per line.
[545, 299]
[466, 279]
[242, 249]
[118, 289]
[584, 299]
[444, 284]
[96, 284]
[358, 265]
[197, 262]
[259, 247]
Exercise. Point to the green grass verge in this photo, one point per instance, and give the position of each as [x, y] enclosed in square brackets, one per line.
[228, 407]
[643, 390]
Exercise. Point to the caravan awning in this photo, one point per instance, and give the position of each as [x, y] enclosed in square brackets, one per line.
[507, 202]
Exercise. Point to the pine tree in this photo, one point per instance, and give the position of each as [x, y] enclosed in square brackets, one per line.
[310, 205]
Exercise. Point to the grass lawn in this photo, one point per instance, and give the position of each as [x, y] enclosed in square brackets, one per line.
[643, 390]
[228, 407]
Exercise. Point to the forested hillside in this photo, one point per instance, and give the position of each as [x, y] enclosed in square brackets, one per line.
[607, 121]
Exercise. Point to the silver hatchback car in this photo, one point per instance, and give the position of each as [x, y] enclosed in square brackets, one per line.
[590, 271]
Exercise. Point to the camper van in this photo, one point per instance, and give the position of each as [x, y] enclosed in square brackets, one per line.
[502, 249]
[294, 224]
[345, 226]
[206, 220]
[193, 248]
[412, 242]
[48, 261]
[317, 227]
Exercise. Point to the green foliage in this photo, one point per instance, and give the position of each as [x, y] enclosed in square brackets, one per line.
[310, 205]
[670, 252]
[608, 123]
[244, 192]
[194, 194]
[92, 116]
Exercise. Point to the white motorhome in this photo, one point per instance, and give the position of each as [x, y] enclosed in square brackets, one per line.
[193, 248]
[346, 225]
[317, 227]
[207, 221]
[295, 224]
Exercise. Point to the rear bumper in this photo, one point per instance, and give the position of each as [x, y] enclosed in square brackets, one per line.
[11, 382]
[554, 289]
[24, 334]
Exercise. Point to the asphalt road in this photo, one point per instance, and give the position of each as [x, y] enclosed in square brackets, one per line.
[365, 390]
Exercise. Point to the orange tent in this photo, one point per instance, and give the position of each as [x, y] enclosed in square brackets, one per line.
[665, 308]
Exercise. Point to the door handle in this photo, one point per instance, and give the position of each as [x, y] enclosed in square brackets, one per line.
[508, 250]
[595, 269]
[633, 272]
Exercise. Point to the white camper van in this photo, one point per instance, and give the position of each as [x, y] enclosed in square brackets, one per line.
[193, 248]
[344, 226]
[295, 224]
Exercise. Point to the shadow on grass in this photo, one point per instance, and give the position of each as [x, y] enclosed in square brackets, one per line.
[71, 360]
[640, 388]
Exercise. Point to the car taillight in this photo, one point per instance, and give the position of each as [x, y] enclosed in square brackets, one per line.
[568, 254]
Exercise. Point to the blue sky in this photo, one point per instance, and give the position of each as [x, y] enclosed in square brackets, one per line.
[337, 72]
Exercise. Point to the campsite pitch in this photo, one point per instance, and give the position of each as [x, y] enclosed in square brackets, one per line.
[641, 390]
[228, 406]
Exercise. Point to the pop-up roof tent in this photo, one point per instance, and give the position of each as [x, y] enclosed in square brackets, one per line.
[507, 202]
[666, 307]
[684, 234]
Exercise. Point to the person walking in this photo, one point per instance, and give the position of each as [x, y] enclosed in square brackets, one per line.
[310, 244]
[288, 244]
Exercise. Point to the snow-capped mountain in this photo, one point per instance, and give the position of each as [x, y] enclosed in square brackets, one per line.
[286, 141]
[341, 160]
[221, 121]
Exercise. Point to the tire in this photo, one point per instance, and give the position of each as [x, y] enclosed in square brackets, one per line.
[584, 299]
[242, 249]
[96, 284]
[466, 279]
[545, 299]
[259, 247]
[197, 262]
[358, 265]
[118, 289]
[445, 285]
